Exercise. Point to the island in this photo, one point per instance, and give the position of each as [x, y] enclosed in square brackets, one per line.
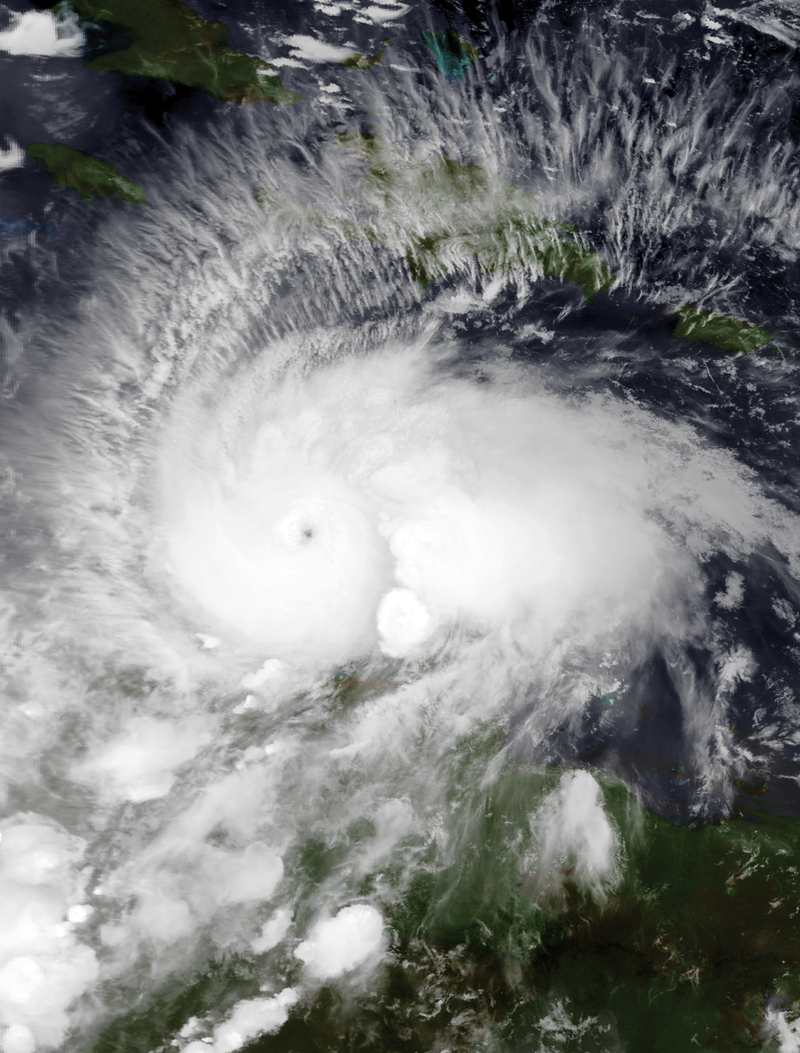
[453, 54]
[720, 330]
[168, 40]
[84, 173]
[359, 61]
[441, 212]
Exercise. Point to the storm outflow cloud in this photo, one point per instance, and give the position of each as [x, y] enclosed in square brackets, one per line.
[377, 506]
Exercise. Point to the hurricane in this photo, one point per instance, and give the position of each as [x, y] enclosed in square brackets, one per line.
[401, 534]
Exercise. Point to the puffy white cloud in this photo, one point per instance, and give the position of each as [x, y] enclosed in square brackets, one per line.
[403, 622]
[139, 763]
[383, 14]
[43, 33]
[273, 931]
[317, 50]
[575, 836]
[253, 1017]
[249, 1019]
[12, 157]
[43, 967]
[269, 670]
[339, 944]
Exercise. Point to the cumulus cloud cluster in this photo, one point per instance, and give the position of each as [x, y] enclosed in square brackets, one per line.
[575, 839]
[250, 1018]
[44, 967]
[337, 945]
[180, 881]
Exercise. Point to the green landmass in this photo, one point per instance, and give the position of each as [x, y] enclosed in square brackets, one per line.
[170, 41]
[497, 946]
[359, 61]
[86, 174]
[441, 213]
[453, 54]
[699, 929]
[720, 330]
[684, 948]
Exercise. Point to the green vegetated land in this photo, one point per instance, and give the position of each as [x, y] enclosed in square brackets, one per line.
[86, 174]
[441, 213]
[720, 330]
[170, 41]
[699, 929]
[365, 62]
[495, 948]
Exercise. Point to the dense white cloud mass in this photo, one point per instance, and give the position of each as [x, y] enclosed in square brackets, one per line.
[479, 537]
[139, 764]
[403, 622]
[460, 546]
[43, 966]
[12, 157]
[315, 50]
[43, 33]
[249, 1019]
[786, 1030]
[378, 508]
[574, 836]
[337, 945]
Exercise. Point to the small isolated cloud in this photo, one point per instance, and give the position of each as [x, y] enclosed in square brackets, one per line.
[733, 594]
[41, 33]
[273, 931]
[293, 62]
[317, 50]
[384, 14]
[337, 945]
[12, 157]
